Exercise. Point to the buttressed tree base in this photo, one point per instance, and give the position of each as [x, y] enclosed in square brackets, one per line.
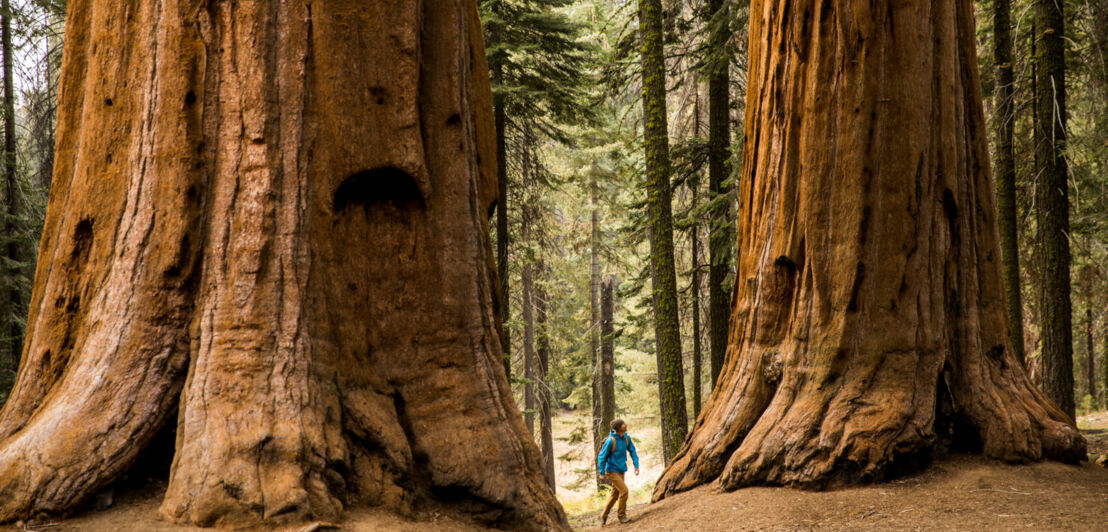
[868, 326]
[268, 226]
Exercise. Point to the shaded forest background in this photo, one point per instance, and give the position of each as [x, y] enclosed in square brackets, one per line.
[577, 217]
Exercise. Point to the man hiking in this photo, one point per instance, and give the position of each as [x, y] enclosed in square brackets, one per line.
[612, 463]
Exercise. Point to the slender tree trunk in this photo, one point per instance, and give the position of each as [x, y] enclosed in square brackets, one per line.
[1033, 36]
[1035, 366]
[14, 309]
[598, 427]
[869, 328]
[1104, 369]
[546, 429]
[607, 353]
[296, 260]
[46, 166]
[671, 386]
[1052, 206]
[504, 299]
[1099, 45]
[528, 350]
[719, 219]
[694, 292]
[1089, 287]
[1006, 173]
[527, 284]
[1090, 353]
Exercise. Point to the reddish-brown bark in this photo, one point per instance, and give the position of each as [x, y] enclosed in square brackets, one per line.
[868, 325]
[274, 216]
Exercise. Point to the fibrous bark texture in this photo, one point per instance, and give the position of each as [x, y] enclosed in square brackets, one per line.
[1006, 172]
[1052, 206]
[607, 355]
[13, 266]
[719, 192]
[503, 297]
[271, 217]
[546, 428]
[667, 333]
[694, 303]
[868, 326]
[599, 432]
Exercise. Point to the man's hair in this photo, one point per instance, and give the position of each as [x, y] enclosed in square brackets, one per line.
[616, 423]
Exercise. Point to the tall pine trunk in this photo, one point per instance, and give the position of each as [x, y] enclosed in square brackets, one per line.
[607, 353]
[1006, 173]
[546, 428]
[694, 296]
[500, 124]
[1090, 353]
[527, 284]
[598, 427]
[719, 169]
[1052, 206]
[868, 327]
[243, 233]
[13, 311]
[671, 385]
[1104, 368]
[528, 348]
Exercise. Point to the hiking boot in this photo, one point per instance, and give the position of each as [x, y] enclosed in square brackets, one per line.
[624, 519]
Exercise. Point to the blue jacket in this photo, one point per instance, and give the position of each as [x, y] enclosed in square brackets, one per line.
[615, 458]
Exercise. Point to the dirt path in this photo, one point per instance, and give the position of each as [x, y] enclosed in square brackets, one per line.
[959, 493]
[1095, 428]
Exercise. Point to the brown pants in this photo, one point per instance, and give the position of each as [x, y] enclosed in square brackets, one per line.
[619, 491]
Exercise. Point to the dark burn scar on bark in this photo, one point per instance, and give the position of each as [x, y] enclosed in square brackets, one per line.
[950, 207]
[996, 354]
[785, 262]
[859, 276]
[82, 241]
[378, 94]
[385, 185]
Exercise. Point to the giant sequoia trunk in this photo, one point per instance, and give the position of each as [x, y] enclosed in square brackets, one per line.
[868, 325]
[270, 216]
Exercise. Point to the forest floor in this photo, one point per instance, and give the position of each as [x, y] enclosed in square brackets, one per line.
[957, 493]
[961, 492]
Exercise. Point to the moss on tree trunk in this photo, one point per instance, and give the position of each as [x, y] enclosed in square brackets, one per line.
[671, 385]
